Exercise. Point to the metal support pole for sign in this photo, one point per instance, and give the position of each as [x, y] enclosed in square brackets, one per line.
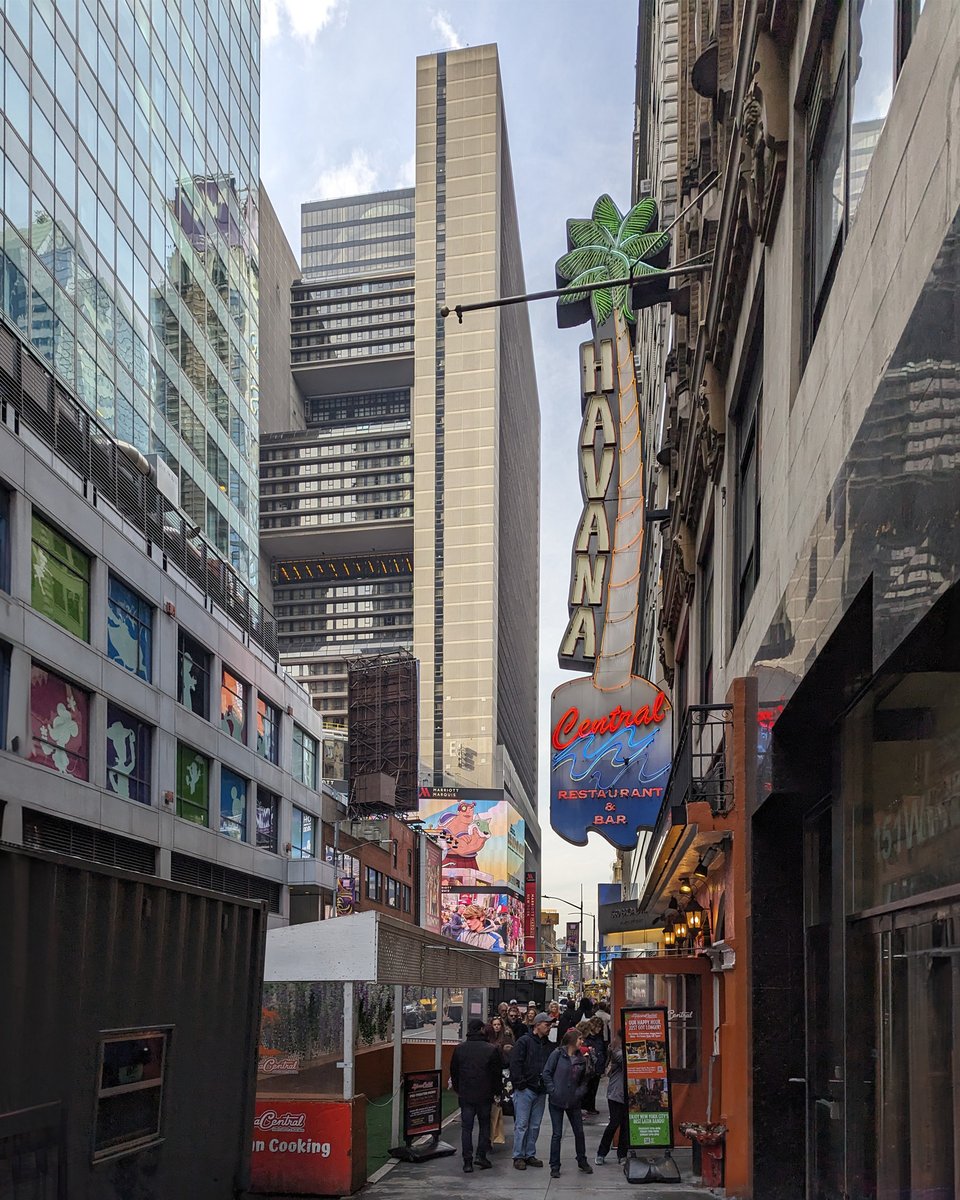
[438, 1032]
[397, 1063]
[348, 1041]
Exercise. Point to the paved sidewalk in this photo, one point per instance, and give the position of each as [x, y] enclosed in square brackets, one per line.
[444, 1177]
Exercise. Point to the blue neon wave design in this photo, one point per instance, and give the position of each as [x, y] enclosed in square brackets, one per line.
[624, 748]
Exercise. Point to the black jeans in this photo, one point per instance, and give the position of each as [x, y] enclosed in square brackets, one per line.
[618, 1120]
[575, 1117]
[589, 1102]
[482, 1114]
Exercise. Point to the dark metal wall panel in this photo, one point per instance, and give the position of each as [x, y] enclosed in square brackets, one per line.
[85, 949]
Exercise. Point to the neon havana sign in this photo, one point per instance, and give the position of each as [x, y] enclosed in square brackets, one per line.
[611, 731]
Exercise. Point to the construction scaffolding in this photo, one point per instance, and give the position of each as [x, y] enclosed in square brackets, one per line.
[383, 738]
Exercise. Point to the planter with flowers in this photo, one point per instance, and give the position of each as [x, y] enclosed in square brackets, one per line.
[709, 1139]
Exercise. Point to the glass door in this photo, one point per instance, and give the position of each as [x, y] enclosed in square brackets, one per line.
[918, 961]
[822, 954]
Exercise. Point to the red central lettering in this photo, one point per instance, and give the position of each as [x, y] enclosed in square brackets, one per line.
[570, 727]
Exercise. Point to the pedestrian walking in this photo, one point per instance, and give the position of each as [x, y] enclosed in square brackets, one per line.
[566, 1075]
[616, 1102]
[592, 1034]
[515, 1020]
[567, 1019]
[603, 1015]
[475, 1074]
[527, 1062]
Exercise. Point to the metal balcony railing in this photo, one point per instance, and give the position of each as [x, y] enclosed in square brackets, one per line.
[41, 402]
[699, 762]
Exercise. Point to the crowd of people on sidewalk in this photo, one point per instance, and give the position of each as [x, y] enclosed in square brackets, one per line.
[523, 1063]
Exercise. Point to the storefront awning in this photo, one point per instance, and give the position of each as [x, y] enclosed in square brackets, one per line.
[370, 947]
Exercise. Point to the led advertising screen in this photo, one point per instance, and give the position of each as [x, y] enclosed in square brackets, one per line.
[485, 920]
[481, 834]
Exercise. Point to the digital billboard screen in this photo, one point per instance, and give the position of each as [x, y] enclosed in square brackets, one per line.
[484, 920]
[481, 834]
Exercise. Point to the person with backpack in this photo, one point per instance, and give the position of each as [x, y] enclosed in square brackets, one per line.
[566, 1076]
[475, 1074]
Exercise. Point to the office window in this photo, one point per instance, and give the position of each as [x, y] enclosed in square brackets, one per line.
[130, 1090]
[128, 755]
[193, 675]
[302, 834]
[304, 766]
[233, 705]
[375, 889]
[59, 724]
[60, 579]
[851, 88]
[406, 897]
[268, 815]
[129, 629]
[393, 888]
[706, 626]
[4, 540]
[268, 730]
[747, 498]
[193, 785]
[233, 805]
[4, 691]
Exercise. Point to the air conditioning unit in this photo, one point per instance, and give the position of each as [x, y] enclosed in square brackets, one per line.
[646, 187]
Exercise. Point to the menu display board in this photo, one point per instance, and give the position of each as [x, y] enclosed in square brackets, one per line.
[646, 1057]
[421, 1103]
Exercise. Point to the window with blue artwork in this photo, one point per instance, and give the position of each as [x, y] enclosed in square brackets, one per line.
[128, 755]
[129, 629]
[233, 805]
[301, 834]
[193, 675]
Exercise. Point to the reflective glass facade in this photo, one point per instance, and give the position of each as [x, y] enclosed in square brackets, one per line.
[129, 168]
[360, 235]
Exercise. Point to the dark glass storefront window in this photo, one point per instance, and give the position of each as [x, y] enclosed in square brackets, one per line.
[268, 809]
[680, 995]
[902, 783]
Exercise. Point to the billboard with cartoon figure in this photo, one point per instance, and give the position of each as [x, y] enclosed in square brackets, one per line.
[481, 834]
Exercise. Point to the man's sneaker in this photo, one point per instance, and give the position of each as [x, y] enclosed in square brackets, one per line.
[599, 1160]
[468, 1168]
[483, 1163]
[533, 1161]
[520, 1164]
[554, 1172]
[585, 1167]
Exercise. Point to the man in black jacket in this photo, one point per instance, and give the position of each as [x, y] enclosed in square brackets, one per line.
[476, 1074]
[527, 1061]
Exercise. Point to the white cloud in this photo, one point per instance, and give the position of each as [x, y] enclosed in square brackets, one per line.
[302, 18]
[352, 178]
[441, 24]
[408, 172]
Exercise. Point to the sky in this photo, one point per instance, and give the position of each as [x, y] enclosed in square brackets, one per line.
[337, 119]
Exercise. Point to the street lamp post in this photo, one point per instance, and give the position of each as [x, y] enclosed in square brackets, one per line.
[579, 907]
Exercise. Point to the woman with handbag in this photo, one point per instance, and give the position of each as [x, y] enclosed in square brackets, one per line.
[616, 1100]
[499, 1035]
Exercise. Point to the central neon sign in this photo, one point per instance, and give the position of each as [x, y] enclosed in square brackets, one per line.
[570, 727]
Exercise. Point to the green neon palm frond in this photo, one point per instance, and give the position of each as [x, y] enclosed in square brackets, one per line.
[606, 213]
[642, 246]
[594, 275]
[585, 258]
[639, 219]
[587, 232]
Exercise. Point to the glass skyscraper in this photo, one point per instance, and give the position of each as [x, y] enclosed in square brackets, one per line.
[129, 169]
